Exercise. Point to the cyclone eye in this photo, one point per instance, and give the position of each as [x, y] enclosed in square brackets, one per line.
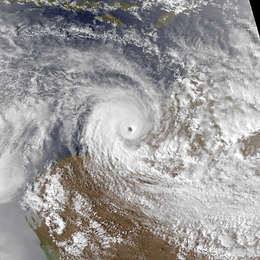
[130, 129]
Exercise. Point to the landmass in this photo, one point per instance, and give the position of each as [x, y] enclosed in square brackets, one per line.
[124, 6]
[111, 18]
[42, 231]
[84, 5]
[75, 219]
[165, 19]
[168, 17]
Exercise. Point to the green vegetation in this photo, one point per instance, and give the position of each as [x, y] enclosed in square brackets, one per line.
[84, 5]
[124, 6]
[165, 19]
[77, 8]
[46, 242]
[255, 39]
[50, 252]
[41, 4]
[111, 18]
[67, 5]
[93, 4]
[222, 79]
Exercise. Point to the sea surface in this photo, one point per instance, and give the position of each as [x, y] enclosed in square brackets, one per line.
[168, 117]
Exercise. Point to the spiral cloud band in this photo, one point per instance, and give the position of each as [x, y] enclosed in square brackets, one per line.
[141, 134]
[119, 123]
[162, 157]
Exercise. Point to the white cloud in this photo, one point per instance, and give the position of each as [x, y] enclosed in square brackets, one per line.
[12, 176]
[24, 129]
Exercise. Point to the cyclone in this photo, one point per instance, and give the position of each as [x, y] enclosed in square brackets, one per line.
[127, 143]
[161, 155]
[119, 125]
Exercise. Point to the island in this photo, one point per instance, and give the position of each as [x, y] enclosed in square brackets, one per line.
[88, 5]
